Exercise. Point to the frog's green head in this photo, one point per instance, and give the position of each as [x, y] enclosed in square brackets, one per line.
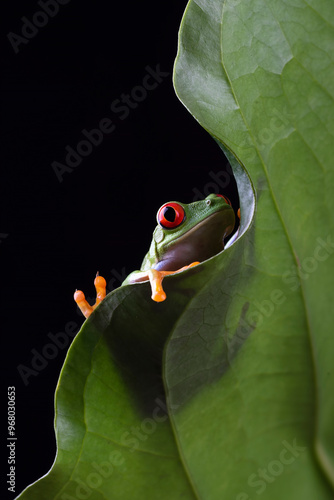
[193, 232]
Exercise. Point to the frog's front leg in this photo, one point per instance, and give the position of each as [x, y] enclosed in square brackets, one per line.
[79, 297]
[156, 277]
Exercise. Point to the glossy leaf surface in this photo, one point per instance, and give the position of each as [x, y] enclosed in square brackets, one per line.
[258, 77]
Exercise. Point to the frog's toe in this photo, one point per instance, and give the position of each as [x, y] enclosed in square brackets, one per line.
[100, 286]
[82, 303]
[156, 277]
[79, 297]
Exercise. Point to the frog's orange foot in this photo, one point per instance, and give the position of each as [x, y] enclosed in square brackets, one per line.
[156, 277]
[79, 297]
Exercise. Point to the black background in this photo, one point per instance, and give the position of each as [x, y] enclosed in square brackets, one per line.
[56, 235]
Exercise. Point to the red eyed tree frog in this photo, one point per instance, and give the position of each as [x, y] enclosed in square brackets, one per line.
[185, 236]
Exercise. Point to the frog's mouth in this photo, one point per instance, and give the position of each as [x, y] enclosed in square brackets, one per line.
[199, 243]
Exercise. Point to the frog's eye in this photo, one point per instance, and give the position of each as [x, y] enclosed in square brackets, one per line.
[225, 198]
[170, 215]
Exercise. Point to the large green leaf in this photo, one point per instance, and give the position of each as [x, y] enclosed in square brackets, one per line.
[243, 345]
[114, 439]
[259, 77]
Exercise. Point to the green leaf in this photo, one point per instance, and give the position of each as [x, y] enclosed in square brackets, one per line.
[250, 364]
[243, 345]
[114, 438]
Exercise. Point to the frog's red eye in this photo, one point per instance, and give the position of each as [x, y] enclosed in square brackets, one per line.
[225, 198]
[171, 215]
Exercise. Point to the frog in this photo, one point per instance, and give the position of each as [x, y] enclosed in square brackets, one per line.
[186, 235]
